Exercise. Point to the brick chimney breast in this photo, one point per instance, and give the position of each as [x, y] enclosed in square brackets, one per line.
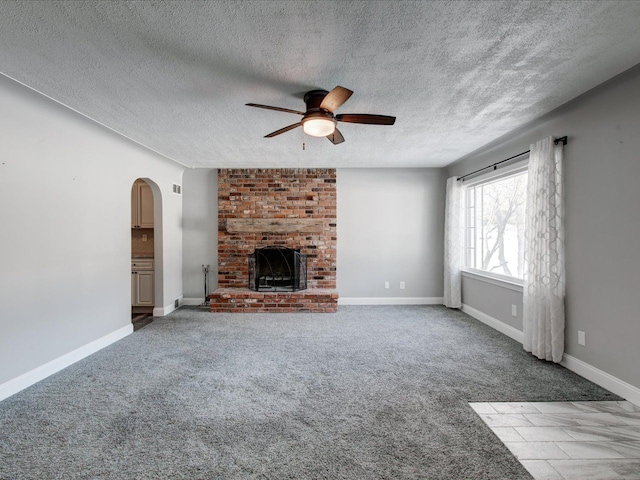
[295, 208]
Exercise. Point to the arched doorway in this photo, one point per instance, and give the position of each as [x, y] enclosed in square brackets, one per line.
[146, 251]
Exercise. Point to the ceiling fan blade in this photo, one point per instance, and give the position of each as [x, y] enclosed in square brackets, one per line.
[277, 109]
[335, 98]
[336, 137]
[283, 130]
[366, 118]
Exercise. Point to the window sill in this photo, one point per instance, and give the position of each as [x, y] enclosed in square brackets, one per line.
[510, 284]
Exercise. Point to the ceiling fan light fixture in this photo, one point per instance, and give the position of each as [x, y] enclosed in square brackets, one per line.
[318, 127]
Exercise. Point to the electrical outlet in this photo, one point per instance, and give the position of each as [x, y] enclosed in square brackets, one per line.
[176, 304]
[514, 310]
[144, 238]
[582, 340]
[401, 285]
[386, 284]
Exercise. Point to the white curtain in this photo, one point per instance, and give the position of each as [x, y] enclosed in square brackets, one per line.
[544, 281]
[453, 244]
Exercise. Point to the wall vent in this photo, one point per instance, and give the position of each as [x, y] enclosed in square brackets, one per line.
[177, 189]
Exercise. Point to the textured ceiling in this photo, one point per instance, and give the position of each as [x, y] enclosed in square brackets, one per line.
[174, 76]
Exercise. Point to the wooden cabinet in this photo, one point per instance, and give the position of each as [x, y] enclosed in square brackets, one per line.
[141, 205]
[142, 284]
[141, 264]
[142, 289]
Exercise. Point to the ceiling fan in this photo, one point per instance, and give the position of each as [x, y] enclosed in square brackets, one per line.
[319, 119]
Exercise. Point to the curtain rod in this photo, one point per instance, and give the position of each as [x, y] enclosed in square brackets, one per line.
[495, 165]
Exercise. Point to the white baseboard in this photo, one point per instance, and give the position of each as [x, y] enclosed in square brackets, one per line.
[390, 300]
[167, 309]
[193, 301]
[494, 323]
[27, 379]
[597, 376]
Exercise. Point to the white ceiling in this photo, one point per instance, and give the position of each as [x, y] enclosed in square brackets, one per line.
[174, 76]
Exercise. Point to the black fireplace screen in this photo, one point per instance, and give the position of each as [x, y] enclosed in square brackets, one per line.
[277, 269]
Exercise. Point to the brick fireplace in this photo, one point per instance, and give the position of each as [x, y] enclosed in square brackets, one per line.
[292, 208]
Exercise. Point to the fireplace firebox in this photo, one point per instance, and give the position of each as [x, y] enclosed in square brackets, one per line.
[277, 269]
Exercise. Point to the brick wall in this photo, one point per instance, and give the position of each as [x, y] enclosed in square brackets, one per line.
[277, 193]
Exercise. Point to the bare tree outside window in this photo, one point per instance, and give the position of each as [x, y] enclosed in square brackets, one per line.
[495, 225]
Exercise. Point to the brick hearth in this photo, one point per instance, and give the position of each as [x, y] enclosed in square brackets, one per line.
[293, 208]
[245, 300]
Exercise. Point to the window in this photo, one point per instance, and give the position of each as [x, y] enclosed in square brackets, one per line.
[494, 221]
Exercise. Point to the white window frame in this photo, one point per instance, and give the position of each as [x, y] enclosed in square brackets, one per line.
[512, 283]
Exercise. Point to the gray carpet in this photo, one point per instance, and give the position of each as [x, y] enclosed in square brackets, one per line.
[367, 393]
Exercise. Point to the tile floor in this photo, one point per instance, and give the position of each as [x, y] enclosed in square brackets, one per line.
[569, 440]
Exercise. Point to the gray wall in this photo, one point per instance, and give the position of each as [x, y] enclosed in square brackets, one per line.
[390, 228]
[200, 227]
[65, 247]
[483, 296]
[602, 194]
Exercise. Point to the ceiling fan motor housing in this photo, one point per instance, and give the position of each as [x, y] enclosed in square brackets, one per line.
[316, 115]
[313, 98]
